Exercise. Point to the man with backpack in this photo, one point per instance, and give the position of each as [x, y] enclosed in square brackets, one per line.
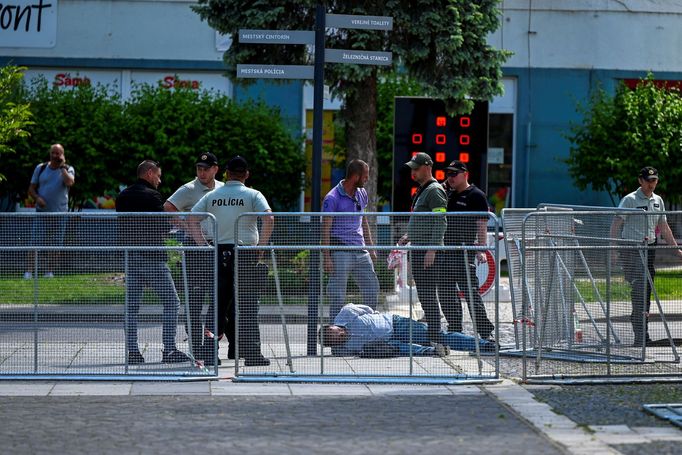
[49, 188]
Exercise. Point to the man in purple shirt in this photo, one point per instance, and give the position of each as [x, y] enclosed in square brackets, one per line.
[353, 231]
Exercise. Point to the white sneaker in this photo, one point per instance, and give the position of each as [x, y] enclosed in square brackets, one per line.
[49, 275]
[28, 275]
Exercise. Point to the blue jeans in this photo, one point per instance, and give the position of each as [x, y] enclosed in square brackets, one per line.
[359, 264]
[156, 275]
[420, 338]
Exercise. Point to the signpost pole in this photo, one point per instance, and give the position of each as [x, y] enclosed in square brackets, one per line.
[318, 106]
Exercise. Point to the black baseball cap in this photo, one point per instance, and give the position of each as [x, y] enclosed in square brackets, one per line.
[237, 164]
[420, 159]
[648, 173]
[207, 159]
[457, 166]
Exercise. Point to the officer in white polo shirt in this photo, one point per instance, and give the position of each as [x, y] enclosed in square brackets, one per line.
[183, 200]
[642, 229]
[227, 203]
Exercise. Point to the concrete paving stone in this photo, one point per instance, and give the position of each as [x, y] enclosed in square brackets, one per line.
[330, 389]
[249, 389]
[633, 438]
[170, 388]
[465, 390]
[660, 433]
[407, 390]
[26, 389]
[91, 388]
[612, 429]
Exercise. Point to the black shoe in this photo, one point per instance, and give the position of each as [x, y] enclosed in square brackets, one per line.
[230, 354]
[639, 343]
[258, 361]
[208, 361]
[135, 358]
[174, 356]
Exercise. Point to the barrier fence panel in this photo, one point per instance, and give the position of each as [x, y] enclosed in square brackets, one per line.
[586, 280]
[319, 306]
[105, 296]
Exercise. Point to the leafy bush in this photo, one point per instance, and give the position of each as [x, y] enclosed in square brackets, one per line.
[106, 138]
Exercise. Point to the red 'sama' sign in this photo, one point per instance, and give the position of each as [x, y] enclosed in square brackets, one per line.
[65, 80]
[170, 82]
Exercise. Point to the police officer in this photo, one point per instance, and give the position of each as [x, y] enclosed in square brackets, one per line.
[642, 229]
[183, 200]
[227, 203]
[463, 197]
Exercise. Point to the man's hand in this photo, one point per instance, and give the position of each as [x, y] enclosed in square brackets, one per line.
[328, 264]
[373, 255]
[40, 202]
[403, 240]
[481, 257]
[429, 258]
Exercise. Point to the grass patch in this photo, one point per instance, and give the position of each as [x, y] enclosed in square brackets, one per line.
[69, 289]
[668, 286]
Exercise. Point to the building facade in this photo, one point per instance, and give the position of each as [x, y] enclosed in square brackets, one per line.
[561, 52]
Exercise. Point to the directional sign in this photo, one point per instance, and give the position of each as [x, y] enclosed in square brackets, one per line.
[358, 57]
[360, 22]
[276, 36]
[276, 71]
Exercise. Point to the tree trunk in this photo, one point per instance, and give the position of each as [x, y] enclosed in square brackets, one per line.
[360, 113]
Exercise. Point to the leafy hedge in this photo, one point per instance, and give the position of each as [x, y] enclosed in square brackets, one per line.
[105, 139]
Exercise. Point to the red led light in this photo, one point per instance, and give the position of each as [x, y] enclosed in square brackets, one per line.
[440, 157]
[465, 122]
[441, 139]
[464, 157]
[440, 175]
[413, 191]
[464, 139]
[441, 121]
[417, 138]
[414, 152]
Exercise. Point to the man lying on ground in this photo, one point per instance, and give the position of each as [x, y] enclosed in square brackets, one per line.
[359, 330]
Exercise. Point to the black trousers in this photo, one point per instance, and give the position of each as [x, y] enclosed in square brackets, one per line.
[249, 331]
[200, 284]
[427, 290]
[453, 280]
[640, 289]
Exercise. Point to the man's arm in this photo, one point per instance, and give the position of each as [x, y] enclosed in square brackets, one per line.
[326, 230]
[668, 236]
[266, 232]
[68, 178]
[33, 192]
[482, 238]
[367, 232]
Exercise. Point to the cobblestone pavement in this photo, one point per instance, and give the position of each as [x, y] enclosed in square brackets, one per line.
[436, 424]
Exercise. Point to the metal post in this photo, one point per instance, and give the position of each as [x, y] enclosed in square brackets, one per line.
[318, 106]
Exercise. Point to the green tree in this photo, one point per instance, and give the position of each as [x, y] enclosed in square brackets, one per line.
[440, 44]
[14, 116]
[623, 132]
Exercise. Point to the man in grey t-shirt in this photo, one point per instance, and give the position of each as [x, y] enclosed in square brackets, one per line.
[642, 229]
[199, 278]
[49, 187]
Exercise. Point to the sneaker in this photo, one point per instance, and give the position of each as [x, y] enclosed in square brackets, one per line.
[174, 356]
[638, 341]
[135, 358]
[258, 361]
[230, 354]
[49, 275]
[28, 275]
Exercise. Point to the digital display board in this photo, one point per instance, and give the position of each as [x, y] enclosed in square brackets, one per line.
[422, 125]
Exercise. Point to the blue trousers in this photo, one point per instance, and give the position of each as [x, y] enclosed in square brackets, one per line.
[420, 338]
[359, 264]
[156, 275]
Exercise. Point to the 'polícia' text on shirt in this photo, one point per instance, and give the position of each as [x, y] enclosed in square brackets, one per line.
[227, 202]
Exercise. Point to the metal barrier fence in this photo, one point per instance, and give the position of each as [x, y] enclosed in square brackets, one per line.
[101, 295]
[588, 303]
[329, 312]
